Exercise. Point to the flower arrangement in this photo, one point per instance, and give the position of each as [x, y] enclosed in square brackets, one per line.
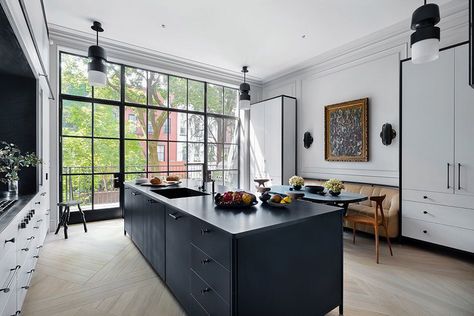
[334, 185]
[296, 182]
[12, 160]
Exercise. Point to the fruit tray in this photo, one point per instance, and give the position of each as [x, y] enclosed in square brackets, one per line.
[239, 199]
[232, 205]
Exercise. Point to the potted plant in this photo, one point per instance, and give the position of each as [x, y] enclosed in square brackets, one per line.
[296, 182]
[11, 162]
[334, 186]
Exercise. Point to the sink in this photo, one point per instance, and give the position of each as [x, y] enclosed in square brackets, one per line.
[177, 193]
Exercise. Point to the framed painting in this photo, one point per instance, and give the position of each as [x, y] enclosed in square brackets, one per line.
[346, 131]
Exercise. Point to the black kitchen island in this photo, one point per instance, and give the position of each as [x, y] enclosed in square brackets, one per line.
[258, 261]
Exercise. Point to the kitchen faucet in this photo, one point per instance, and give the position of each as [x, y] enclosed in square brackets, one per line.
[206, 177]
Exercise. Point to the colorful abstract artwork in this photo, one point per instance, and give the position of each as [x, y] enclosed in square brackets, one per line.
[346, 131]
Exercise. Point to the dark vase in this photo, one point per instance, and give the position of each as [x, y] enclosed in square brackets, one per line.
[297, 187]
[334, 193]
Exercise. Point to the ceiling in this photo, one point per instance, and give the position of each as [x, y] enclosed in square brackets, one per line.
[267, 35]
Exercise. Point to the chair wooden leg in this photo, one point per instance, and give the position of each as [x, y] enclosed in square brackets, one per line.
[354, 233]
[61, 221]
[388, 238]
[83, 218]
[376, 231]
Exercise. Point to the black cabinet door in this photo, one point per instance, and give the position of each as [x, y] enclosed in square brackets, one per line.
[178, 255]
[155, 235]
[138, 220]
[127, 211]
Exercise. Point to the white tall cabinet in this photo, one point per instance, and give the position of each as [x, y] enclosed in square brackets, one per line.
[273, 139]
[438, 151]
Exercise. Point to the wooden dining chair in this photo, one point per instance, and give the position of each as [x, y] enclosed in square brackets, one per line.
[375, 221]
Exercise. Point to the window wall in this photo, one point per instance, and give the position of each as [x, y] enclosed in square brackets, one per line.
[142, 124]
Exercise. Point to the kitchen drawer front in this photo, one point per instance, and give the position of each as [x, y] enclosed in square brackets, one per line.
[8, 240]
[212, 241]
[212, 272]
[454, 200]
[440, 214]
[207, 297]
[8, 273]
[196, 309]
[450, 236]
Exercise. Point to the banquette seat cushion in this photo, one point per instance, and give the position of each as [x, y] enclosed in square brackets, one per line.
[391, 205]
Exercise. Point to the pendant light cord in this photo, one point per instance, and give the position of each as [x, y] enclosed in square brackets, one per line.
[97, 37]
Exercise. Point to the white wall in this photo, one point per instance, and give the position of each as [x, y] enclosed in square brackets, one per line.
[369, 67]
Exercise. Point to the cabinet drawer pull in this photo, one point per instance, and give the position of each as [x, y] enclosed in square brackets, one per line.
[425, 212]
[425, 231]
[39, 221]
[204, 261]
[174, 216]
[205, 231]
[25, 249]
[43, 194]
[12, 240]
[135, 193]
[36, 257]
[38, 203]
[6, 288]
[425, 197]
[30, 238]
[448, 165]
[36, 227]
[459, 176]
[31, 271]
[205, 290]
[39, 247]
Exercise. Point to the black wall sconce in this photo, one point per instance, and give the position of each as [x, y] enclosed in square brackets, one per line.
[307, 140]
[387, 134]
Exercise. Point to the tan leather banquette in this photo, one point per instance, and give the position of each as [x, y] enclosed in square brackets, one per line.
[391, 205]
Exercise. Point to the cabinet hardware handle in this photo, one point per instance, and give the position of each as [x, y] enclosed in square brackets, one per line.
[36, 227]
[25, 249]
[30, 238]
[425, 212]
[31, 271]
[425, 231]
[38, 203]
[10, 240]
[6, 289]
[39, 247]
[39, 221]
[204, 261]
[205, 231]
[174, 216]
[448, 165]
[36, 257]
[135, 193]
[26, 287]
[205, 290]
[425, 197]
[43, 194]
[459, 176]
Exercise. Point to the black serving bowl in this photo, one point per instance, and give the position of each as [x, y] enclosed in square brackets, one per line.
[314, 188]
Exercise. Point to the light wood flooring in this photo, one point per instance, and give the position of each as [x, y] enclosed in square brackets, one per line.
[102, 273]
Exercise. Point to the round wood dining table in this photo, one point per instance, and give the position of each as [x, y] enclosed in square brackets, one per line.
[343, 199]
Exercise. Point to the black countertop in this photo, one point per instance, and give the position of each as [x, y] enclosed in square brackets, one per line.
[238, 222]
[9, 215]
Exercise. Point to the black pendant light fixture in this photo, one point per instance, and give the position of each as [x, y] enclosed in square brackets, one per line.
[424, 41]
[244, 92]
[97, 60]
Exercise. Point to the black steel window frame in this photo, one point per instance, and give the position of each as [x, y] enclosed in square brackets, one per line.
[122, 104]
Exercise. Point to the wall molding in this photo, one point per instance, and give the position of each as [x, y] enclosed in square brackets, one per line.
[139, 56]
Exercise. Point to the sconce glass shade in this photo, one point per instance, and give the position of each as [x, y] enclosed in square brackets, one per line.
[244, 98]
[97, 69]
[425, 51]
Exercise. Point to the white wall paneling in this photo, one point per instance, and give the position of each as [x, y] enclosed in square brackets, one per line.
[367, 67]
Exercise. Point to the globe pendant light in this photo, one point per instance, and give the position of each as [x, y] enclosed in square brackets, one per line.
[244, 98]
[424, 41]
[97, 69]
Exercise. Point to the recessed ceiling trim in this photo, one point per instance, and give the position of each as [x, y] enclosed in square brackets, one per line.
[139, 55]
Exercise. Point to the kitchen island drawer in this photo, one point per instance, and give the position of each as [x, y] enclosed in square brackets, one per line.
[212, 241]
[207, 297]
[211, 271]
[450, 236]
[8, 240]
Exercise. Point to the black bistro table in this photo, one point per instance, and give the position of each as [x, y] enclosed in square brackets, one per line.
[343, 199]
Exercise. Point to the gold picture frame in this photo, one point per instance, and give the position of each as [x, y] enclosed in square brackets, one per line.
[346, 131]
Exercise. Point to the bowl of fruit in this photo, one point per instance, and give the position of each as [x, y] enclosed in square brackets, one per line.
[279, 201]
[237, 199]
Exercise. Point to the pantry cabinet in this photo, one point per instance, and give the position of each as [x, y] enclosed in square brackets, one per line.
[437, 154]
[273, 139]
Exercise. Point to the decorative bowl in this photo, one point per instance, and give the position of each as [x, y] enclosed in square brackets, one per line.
[314, 188]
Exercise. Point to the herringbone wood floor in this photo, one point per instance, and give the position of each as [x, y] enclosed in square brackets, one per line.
[102, 273]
